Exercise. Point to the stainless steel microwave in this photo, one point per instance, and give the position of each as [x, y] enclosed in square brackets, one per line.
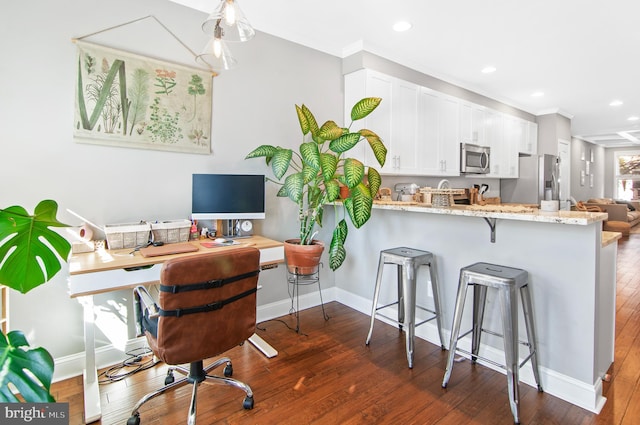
[474, 158]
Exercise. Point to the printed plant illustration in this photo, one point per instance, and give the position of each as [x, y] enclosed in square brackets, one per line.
[128, 100]
[165, 81]
[195, 89]
[139, 96]
[164, 126]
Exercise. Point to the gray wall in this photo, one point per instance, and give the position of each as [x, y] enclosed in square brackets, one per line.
[598, 168]
[252, 105]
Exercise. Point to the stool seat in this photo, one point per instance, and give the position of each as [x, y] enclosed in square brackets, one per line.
[407, 261]
[508, 281]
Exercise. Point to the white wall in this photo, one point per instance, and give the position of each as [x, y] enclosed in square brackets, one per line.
[252, 105]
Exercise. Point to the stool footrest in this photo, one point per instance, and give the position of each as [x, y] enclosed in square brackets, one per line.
[525, 343]
[435, 315]
[500, 365]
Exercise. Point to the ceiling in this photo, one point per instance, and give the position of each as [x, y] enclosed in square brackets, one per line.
[582, 54]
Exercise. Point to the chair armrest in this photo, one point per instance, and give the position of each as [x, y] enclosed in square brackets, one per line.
[144, 302]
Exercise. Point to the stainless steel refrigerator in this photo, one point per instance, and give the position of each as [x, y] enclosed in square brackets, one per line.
[538, 180]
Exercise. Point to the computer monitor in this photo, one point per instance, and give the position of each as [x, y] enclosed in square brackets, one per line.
[228, 196]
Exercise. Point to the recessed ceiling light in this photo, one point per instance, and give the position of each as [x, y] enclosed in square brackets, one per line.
[401, 26]
[537, 94]
[488, 69]
[615, 103]
[633, 118]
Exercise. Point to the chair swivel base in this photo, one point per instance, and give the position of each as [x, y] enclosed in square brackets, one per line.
[195, 375]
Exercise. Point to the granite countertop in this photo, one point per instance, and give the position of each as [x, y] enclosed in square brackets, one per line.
[508, 212]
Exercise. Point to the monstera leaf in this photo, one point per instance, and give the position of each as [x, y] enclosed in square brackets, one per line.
[18, 357]
[28, 260]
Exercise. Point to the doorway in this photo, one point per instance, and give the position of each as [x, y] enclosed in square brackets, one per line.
[564, 179]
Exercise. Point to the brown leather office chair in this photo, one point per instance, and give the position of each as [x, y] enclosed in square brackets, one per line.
[206, 306]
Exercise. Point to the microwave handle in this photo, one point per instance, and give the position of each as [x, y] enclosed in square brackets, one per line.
[484, 160]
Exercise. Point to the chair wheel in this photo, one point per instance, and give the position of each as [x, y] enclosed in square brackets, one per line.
[247, 403]
[228, 370]
[169, 378]
[134, 420]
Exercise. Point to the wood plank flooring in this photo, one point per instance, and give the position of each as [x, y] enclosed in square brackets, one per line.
[329, 376]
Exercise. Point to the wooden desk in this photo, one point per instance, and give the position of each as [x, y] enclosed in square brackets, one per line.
[112, 270]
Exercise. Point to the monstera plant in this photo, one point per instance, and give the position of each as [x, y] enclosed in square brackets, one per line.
[26, 262]
[314, 174]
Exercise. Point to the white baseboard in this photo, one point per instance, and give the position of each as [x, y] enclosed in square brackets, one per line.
[586, 396]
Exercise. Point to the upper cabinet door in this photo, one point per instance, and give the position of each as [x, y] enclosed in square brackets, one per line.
[366, 83]
[529, 142]
[404, 131]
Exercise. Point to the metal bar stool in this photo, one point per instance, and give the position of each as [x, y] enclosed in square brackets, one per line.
[407, 261]
[506, 280]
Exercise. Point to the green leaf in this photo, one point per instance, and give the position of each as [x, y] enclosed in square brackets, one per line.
[344, 142]
[310, 155]
[329, 165]
[337, 251]
[17, 358]
[353, 172]
[302, 119]
[364, 107]
[23, 248]
[330, 131]
[294, 185]
[311, 120]
[309, 173]
[280, 162]
[359, 205]
[375, 181]
[376, 144]
[332, 187]
[264, 150]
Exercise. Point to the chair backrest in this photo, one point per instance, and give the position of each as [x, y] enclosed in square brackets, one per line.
[207, 304]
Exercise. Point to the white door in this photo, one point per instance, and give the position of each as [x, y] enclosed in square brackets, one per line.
[564, 179]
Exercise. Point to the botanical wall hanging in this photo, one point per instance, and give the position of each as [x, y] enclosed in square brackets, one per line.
[127, 100]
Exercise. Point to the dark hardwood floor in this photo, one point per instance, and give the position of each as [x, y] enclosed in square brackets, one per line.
[330, 377]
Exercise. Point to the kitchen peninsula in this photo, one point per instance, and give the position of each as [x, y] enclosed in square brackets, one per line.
[572, 280]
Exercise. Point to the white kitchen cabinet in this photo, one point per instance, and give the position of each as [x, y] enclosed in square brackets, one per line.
[403, 145]
[494, 131]
[472, 123]
[438, 147]
[529, 141]
[513, 132]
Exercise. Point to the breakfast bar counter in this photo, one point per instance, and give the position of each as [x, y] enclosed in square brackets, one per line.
[572, 275]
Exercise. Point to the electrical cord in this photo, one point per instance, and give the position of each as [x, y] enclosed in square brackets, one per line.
[131, 365]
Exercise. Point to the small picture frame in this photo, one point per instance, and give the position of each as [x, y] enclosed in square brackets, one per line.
[581, 178]
[587, 166]
[591, 154]
[590, 180]
[582, 154]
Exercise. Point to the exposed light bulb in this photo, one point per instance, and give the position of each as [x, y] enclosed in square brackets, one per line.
[230, 13]
[217, 47]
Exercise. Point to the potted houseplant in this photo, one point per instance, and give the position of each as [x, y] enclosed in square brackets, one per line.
[25, 263]
[314, 174]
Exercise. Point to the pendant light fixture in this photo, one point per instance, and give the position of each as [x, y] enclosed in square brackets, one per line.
[226, 23]
[229, 17]
[216, 54]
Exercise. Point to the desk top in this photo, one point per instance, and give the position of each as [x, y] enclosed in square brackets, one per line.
[104, 260]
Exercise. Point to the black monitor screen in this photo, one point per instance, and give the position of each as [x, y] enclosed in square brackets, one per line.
[227, 196]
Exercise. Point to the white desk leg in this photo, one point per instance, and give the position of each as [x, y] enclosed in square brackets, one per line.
[92, 411]
[263, 346]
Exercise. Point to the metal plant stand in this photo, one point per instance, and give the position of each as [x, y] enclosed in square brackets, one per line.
[296, 280]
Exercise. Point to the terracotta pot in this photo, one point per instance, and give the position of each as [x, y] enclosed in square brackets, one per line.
[303, 259]
[344, 192]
